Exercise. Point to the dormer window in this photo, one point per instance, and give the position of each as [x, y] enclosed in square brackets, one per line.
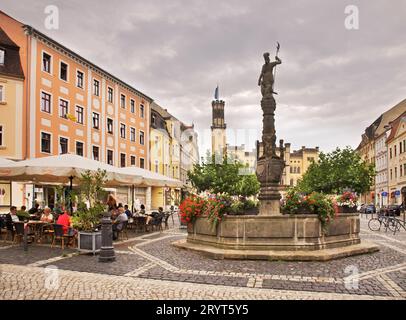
[2, 56]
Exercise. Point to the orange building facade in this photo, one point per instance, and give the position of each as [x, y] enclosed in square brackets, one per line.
[71, 105]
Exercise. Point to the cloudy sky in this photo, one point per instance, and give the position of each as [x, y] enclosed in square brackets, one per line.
[332, 84]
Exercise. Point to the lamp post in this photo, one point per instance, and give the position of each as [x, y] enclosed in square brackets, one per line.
[107, 253]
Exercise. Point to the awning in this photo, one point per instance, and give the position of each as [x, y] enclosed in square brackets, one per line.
[58, 169]
[153, 179]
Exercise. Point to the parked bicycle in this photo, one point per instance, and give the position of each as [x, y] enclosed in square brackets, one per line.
[375, 224]
[398, 224]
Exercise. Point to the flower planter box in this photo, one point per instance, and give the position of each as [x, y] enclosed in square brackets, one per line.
[347, 209]
[89, 241]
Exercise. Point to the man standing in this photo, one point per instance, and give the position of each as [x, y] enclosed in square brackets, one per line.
[266, 78]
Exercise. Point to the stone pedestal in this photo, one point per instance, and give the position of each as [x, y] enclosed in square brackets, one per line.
[269, 208]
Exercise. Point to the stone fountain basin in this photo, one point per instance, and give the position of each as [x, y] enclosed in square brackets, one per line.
[277, 237]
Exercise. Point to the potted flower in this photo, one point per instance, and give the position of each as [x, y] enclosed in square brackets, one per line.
[87, 218]
[346, 203]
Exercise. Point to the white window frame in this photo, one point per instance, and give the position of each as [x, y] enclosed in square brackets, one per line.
[135, 162]
[135, 106]
[59, 108]
[107, 125]
[51, 63]
[59, 144]
[2, 134]
[83, 115]
[67, 72]
[84, 147]
[4, 57]
[112, 96]
[93, 91]
[107, 156]
[40, 102]
[139, 141]
[95, 145]
[50, 142]
[125, 101]
[139, 162]
[135, 134]
[93, 121]
[3, 93]
[84, 79]
[125, 130]
[125, 155]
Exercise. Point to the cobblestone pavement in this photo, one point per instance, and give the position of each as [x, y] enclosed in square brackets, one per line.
[149, 267]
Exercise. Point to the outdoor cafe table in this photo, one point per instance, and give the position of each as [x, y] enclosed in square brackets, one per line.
[38, 227]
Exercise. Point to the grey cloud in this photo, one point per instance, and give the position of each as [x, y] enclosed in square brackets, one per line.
[332, 84]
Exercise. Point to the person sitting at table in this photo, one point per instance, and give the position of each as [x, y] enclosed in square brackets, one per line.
[155, 215]
[34, 209]
[118, 223]
[127, 211]
[47, 215]
[22, 214]
[65, 220]
[12, 216]
[142, 209]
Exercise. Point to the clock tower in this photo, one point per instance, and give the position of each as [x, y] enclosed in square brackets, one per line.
[218, 128]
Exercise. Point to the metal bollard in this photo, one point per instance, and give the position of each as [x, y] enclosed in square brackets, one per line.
[107, 253]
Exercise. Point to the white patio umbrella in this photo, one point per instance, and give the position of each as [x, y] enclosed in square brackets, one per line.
[4, 161]
[58, 169]
[153, 179]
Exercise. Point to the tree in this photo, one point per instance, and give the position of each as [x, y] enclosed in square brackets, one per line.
[223, 177]
[338, 171]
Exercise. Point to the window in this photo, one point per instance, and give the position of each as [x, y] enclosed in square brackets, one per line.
[400, 147]
[109, 125]
[95, 153]
[122, 101]
[400, 170]
[394, 149]
[110, 157]
[390, 153]
[156, 166]
[63, 145]
[46, 62]
[110, 95]
[142, 163]
[45, 102]
[96, 87]
[141, 110]
[63, 108]
[96, 120]
[153, 119]
[396, 172]
[2, 95]
[141, 137]
[79, 79]
[79, 114]
[132, 105]
[122, 130]
[298, 169]
[132, 134]
[2, 56]
[122, 160]
[132, 160]
[79, 148]
[391, 176]
[45, 142]
[63, 71]
[1, 135]
[310, 159]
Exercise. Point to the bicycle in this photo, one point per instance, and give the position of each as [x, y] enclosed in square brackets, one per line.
[398, 224]
[375, 224]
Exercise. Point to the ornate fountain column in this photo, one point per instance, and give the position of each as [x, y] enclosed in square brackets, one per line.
[269, 165]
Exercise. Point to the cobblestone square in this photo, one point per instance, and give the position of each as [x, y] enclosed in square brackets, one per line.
[147, 266]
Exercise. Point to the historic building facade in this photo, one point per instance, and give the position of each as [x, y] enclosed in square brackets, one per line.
[374, 149]
[66, 104]
[396, 144]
